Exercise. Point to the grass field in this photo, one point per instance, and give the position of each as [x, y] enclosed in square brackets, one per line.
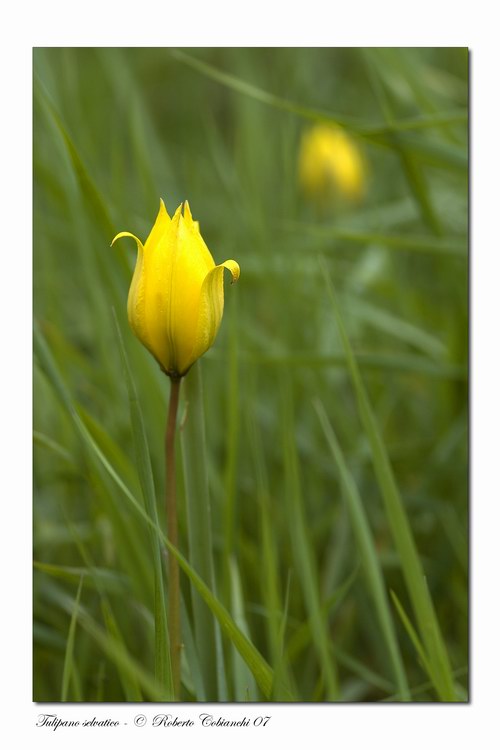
[322, 458]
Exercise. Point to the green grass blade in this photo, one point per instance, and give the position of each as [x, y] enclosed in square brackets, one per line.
[304, 634]
[129, 682]
[254, 92]
[411, 167]
[49, 367]
[123, 521]
[393, 362]
[436, 154]
[260, 669]
[244, 685]
[403, 537]
[452, 247]
[70, 646]
[191, 663]
[276, 619]
[368, 554]
[114, 649]
[413, 637]
[92, 222]
[422, 122]
[146, 155]
[397, 327]
[420, 188]
[194, 455]
[364, 673]
[257, 664]
[265, 97]
[87, 185]
[232, 431]
[44, 440]
[163, 672]
[425, 686]
[305, 560]
[110, 447]
[99, 578]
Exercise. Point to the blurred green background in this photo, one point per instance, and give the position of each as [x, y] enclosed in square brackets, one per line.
[320, 505]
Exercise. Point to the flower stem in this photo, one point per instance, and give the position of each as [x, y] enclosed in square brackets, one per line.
[174, 618]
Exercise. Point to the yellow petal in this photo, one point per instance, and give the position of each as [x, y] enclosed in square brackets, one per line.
[136, 296]
[176, 297]
[187, 213]
[329, 162]
[160, 226]
[188, 218]
[158, 289]
[211, 307]
[127, 234]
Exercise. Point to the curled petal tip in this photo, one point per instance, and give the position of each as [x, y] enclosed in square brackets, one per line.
[233, 268]
[126, 234]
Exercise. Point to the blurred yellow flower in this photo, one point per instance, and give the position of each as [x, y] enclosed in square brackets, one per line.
[330, 164]
[176, 297]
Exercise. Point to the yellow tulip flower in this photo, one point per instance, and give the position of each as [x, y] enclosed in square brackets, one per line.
[330, 163]
[176, 297]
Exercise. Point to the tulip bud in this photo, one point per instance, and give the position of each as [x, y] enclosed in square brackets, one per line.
[176, 297]
[330, 164]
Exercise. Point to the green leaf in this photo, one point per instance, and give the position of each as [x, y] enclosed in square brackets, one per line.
[111, 646]
[305, 559]
[258, 666]
[245, 689]
[163, 671]
[199, 523]
[361, 128]
[416, 581]
[260, 669]
[49, 367]
[453, 247]
[105, 580]
[413, 637]
[368, 554]
[87, 185]
[70, 646]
